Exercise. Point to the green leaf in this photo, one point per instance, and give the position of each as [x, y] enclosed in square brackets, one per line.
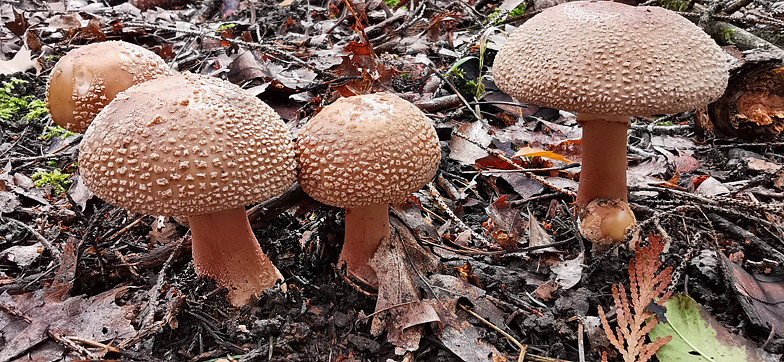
[696, 336]
[459, 62]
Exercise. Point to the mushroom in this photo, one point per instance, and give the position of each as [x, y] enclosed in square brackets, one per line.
[88, 78]
[197, 147]
[363, 153]
[609, 61]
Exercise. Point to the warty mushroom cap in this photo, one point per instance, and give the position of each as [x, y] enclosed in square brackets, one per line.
[88, 78]
[609, 58]
[367, 150]
[186, 145]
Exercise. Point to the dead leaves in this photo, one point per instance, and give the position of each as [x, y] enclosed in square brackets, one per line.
[402, 311]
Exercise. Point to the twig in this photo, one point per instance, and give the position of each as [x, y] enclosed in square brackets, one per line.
[714, 7]
[523, 347]
[70, 344]
[125, 262]
[56, 253]
[454, 89]
[440, 200]
[741, 233]
[146, 316]
[498, 252]
[516, 166]
[14, 311]
[653, 128]
[352, 284]
[92, 343]
[259, 46]
[126, 228]
[420, 10]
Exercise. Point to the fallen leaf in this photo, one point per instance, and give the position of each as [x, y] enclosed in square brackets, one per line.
[8, 202]
[778, 180]
[522, 184]
[453, 328]
[685, 163]
[757, 164]
[538, 236]
[98, 318]
[78, 192]
[534, 152]
[696, 336]
[23, 255]
[761, 296]
[569, 272]
[467, 152]
[711, 187]
[21, 62]
[544, 291]
[506, 226]
[400, 264]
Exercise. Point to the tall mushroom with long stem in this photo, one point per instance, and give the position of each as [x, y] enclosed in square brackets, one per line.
[609, 61]
[88, 78]
[201, 148]
[363, 153]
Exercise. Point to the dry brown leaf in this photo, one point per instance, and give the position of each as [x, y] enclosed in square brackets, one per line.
[778, 180]
[538, 236]
[569, 272]
[401, 264]
[97, 318]
[761, 296]
[454, 330]
[505, 224]
[467, 152]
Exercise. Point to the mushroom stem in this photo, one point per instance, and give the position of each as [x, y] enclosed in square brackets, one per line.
[365, 228]
[225, 249]
[603, 174]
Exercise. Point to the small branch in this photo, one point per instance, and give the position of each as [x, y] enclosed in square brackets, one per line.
[56, 253]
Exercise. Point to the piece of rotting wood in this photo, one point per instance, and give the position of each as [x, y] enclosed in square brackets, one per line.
[752, 107]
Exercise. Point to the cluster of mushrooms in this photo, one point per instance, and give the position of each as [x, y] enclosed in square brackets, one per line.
[190, 146]
[201, 149]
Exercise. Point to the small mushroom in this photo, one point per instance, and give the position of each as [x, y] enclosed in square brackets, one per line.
[88, 78]
[609, 61]
[363, 153]
[197, 147]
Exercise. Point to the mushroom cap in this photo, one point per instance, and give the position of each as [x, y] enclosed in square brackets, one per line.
[609, 58]
[88, 78]
[367, 150]
[186, 145]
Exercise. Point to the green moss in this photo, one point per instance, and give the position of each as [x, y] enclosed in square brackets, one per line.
[36, 109]
[10, 105]
[674, 5]
[56, 178]
[55, 131]
[392, 3]
[518, 11]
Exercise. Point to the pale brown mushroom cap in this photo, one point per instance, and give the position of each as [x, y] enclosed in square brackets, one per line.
[367, 150]
[88, 78]
[607, 58]
[186, 145]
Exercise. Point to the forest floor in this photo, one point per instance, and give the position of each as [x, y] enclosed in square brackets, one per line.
[82, 279]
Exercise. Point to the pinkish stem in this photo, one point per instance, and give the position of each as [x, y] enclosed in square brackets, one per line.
[225, 249]
[603, 172]
[365, 228]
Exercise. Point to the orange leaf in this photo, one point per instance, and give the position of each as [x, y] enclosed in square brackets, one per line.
[533, 152]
